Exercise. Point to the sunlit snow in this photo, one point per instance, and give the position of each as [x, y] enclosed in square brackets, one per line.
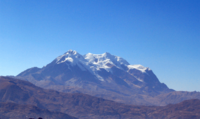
[138, 67]
[95, 62]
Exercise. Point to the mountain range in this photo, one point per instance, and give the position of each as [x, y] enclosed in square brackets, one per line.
[22, 100]
[105, 76]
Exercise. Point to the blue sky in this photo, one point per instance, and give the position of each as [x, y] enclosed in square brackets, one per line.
[161, 34]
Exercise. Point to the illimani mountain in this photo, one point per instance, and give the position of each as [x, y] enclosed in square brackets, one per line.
[103, 75]
[21, 100]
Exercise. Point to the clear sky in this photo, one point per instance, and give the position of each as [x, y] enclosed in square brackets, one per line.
[163, 35]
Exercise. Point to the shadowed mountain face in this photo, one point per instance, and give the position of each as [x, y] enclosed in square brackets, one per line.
[105, 75]
[33, 100]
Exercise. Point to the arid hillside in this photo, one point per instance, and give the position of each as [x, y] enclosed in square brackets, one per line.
[22, 96]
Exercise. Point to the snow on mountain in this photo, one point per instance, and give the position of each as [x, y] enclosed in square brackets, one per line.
[104, 61]
[139, 67]
[95, 62]
[72, 57]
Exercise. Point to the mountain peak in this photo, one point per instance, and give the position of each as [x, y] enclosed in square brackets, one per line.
[106, 54]
[71, 52]
[69, 56]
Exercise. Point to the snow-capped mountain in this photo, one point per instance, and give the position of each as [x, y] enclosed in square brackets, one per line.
[96, 62]
[103, 75]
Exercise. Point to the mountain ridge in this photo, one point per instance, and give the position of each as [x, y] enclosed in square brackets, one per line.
[43, 102]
